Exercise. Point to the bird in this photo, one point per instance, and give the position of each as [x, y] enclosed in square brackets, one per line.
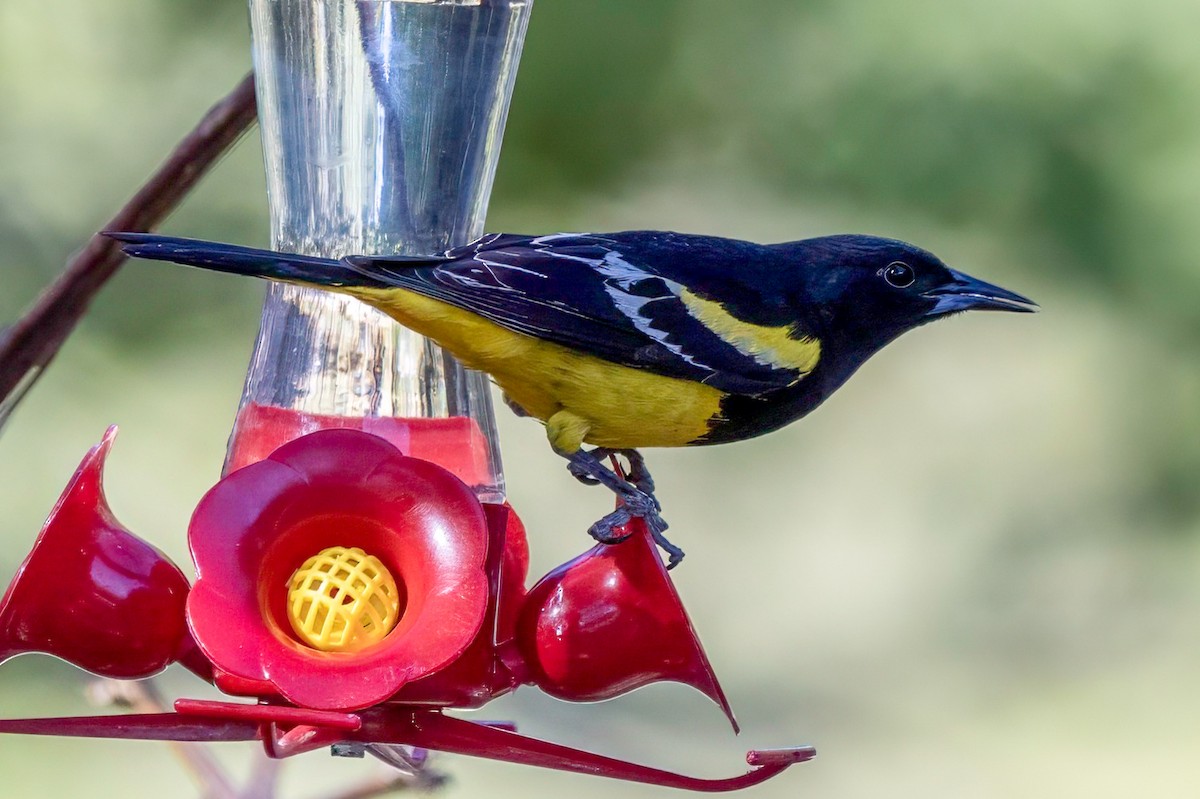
[636, 339]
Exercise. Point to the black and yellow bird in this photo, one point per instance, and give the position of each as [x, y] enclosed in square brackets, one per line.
[642, 338]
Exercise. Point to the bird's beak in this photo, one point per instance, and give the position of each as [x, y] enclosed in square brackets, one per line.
[966, 293]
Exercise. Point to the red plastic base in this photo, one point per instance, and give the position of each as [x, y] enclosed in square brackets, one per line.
[455, 443]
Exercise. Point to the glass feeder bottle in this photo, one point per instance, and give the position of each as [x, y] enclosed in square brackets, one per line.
[381, 125]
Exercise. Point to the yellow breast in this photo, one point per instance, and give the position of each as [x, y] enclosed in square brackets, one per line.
[599, 402]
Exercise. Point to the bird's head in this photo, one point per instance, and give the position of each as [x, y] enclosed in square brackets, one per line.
[868, 290]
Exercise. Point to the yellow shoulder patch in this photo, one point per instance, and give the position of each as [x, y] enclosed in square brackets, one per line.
[770, 346]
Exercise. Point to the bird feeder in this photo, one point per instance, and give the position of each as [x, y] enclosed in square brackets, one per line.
[358, 568]
[338, 512]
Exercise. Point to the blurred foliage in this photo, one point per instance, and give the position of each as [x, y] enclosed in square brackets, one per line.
[973, 572]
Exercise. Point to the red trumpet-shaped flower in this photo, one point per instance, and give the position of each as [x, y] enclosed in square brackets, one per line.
[93, 593]
[336, 571]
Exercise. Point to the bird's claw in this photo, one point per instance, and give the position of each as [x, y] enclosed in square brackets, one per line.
[604, 530]
[637, 473]
[643, 506]
[674, 554]
[636, 494]
[582, 474]
[657, 526]
[584, 470]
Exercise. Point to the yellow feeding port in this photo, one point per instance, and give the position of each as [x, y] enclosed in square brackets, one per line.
[343, 600]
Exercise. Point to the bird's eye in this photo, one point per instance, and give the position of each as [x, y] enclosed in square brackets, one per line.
[898, 274]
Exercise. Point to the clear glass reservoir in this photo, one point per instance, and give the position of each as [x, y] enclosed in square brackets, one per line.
[381, 126]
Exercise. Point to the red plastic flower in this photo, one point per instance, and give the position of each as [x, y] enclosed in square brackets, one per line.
[335, 488]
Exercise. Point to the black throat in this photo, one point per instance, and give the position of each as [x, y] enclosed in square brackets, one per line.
[744, 416]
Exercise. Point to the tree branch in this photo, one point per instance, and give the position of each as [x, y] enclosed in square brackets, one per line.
[31, 342]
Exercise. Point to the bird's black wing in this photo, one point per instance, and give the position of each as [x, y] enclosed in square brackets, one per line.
[628, 298]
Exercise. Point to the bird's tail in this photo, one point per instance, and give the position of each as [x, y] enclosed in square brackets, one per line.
[237, 260]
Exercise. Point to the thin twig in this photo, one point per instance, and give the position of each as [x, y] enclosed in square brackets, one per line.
[385, 784]
[32, 341]
[142, 696]
[264, 778]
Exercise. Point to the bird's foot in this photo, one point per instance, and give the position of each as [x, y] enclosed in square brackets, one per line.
[635, 500]
[586, 467]
[583, 465]
[674, 553]
[637, 473]
[639, 505]
[604, 530]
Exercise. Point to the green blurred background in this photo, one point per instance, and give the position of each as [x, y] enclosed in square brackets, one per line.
[974, 573]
